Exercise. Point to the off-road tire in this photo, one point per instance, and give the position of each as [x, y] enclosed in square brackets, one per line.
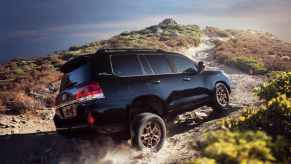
[220, 98]
[142, 135]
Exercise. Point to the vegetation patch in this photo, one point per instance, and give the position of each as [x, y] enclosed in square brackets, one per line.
[260, 134]
[235, 147]
[250, 50]
[279, 84]
[247, 64]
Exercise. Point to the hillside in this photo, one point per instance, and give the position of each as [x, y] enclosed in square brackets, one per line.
[252, 51]
[23, 82]
[245, 55]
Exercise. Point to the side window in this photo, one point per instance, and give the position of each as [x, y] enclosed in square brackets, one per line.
[182, 64]
[126, 65]
[146, 65]
[159, 64]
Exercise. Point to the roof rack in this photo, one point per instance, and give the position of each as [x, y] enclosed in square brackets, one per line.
[129, 50]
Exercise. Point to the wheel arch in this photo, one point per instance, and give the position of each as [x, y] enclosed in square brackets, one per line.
[148, 103]
[223, 82]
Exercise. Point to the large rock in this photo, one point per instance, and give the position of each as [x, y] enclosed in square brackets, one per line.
[168, 22]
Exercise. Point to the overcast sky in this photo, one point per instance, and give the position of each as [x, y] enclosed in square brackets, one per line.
[39, 27]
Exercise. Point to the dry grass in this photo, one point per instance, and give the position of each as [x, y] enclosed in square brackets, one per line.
[268, 51]
[29, 102]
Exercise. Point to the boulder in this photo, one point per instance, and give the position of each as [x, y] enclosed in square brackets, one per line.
[168, 22]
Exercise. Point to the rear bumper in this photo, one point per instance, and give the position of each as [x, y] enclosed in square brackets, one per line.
[100, 127]
[110, 119]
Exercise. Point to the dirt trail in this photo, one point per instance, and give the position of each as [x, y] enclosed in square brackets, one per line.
[191, 125]
[51, 148]
[242, 83]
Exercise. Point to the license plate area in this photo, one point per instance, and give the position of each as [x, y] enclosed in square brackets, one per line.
[69, 111]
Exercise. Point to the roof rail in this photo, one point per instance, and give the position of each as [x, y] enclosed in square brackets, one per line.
[129, 50]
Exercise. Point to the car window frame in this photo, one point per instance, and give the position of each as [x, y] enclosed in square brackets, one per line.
[186, 58]
[139, 63]
[149, 64]
[166, 60]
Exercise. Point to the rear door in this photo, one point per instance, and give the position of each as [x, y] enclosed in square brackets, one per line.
[122, 87]
[129, 70]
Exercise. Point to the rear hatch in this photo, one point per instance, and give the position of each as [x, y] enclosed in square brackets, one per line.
[78, 82]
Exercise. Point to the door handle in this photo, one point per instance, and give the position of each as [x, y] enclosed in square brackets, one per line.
[157, 82]
[187, 79]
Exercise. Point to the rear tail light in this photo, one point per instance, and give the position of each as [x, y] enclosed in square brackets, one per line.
[89, 92]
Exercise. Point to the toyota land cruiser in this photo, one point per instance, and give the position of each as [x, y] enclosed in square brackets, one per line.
[134, 91]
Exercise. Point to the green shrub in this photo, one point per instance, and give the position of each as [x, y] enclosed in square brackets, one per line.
[71, 54]
[236, 147]
[19, 71]
[274, 118]
[75, 48]
[279, 83]
[202, 160]
[249, 64]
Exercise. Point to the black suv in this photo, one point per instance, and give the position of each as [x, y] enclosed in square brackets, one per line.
[133, 91]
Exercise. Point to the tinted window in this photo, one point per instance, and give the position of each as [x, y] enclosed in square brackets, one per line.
[78, 75]
[126, 65]
[159, 64]
[182, 64]
[146, 66]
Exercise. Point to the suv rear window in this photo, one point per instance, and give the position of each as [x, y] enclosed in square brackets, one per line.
[126, 65]
[159, 64]
[79, 74]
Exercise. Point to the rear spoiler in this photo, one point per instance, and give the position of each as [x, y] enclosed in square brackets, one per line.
[75, 62]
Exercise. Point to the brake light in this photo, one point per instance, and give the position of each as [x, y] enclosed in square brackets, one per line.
[89, 92]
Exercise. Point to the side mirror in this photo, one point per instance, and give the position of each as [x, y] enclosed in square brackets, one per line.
[201, 66]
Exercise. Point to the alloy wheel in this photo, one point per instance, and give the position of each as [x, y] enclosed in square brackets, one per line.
[151, 134]
[222, 95]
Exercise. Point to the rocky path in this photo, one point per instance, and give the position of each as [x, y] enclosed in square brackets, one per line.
[48, 147]
[188, 127]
